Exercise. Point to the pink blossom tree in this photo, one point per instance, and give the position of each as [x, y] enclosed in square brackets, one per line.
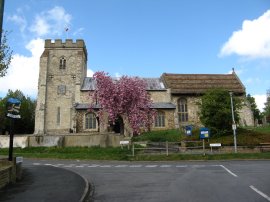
[126, 96]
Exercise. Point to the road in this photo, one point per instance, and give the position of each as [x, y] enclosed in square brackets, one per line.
[172, 181]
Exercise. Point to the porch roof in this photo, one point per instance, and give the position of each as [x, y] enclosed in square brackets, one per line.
[156, 105]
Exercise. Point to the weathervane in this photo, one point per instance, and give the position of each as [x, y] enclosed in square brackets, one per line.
[66, 30]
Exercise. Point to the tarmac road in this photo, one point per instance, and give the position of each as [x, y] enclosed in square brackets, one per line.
[45, 184]
[210, 181]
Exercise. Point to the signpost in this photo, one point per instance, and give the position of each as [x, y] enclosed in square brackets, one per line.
[13, 112]
[204, 133]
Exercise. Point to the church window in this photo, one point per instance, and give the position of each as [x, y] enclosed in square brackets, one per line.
[182, 110]
[62, 63]
[58, 116]
[160, 119]
[90, 121]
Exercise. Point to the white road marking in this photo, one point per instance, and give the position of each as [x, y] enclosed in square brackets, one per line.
[48, 164]
[79, 166]
[60, 164]
[93, 166]
[259, 192]
[215, 165]
[151, 166]
[165, 166]
[106, 166]
[36, 164]
[135, 166]
[228, 171]
[120, 166]
[181, 166]
[198, 166]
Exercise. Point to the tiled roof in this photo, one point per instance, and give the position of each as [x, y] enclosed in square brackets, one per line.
[88, 84]
[199, 83]
[152, 84]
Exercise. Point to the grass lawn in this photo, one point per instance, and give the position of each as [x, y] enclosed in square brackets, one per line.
[97, 153]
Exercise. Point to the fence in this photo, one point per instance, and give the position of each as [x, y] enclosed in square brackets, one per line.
[195, 147]
[189, 147]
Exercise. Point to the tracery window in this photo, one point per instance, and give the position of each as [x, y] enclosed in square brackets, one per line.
[90, 121]
[182, 110]
[160, 119]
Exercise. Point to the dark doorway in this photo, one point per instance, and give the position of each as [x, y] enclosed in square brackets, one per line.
[118, 127]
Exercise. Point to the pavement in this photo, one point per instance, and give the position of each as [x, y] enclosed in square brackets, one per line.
[47, 183]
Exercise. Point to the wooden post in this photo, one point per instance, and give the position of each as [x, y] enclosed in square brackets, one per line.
[133, 152]
[203, 148]
[11, 136]
[167, 148]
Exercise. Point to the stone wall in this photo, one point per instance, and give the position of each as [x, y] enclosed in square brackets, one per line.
[160, 96]
[70, 140]
[246, 115]
[18, 141]
[10, 171]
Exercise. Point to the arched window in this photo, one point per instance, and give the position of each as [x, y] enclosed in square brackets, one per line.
[182, 110]
[62, 64]
[160, 119]
[90, 121]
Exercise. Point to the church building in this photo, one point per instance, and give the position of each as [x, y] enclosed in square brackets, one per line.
[64, 94]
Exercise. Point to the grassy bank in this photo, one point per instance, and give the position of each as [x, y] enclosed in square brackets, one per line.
[97, 153]
[93, 153]
[245, 136]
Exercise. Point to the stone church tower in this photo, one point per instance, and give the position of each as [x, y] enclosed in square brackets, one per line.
[63, 67]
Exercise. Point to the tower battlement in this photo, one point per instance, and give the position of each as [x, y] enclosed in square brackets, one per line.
[68, 43]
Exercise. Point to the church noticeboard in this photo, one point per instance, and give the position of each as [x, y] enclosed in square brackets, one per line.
[204, 133]
[13, 108]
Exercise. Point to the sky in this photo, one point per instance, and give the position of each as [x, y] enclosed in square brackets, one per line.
[144, 38]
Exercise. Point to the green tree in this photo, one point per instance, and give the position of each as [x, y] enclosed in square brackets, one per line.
[25, 125]
[5, 55]
[254, 109]
[215, 111]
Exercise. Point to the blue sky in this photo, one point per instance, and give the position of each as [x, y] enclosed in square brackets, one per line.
[145, 38]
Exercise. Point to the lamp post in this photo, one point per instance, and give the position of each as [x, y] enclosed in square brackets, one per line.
[233, 125]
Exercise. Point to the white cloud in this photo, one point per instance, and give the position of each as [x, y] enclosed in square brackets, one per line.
[252, 41]
[23, 71]
[89, 73]
[260, 100]
[53, 21]
[117, 75]
[18, 20]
